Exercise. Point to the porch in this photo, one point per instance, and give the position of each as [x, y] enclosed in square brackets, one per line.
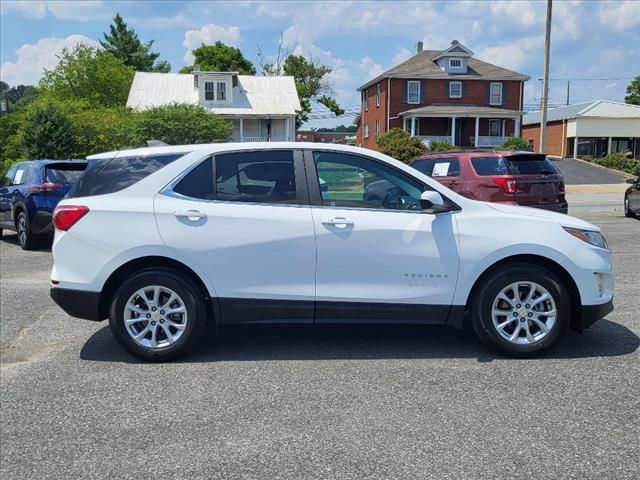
[263, 129]
[462, 126]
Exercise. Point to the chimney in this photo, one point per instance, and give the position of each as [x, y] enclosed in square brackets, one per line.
[196, 70]
[419, 47]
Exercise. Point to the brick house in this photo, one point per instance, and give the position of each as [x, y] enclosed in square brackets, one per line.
[446, 96]
[587, 129]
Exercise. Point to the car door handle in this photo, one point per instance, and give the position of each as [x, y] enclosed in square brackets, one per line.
[337, 221]
[192, 215]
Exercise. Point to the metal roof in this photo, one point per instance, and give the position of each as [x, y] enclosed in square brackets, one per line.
[461, 111]
[253, 95]
[596, 109]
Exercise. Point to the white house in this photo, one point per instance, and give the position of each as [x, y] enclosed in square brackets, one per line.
[261, 108]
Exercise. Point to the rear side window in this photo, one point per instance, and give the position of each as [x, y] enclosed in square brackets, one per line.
[64, 174]
[486, 166]
[438, 167]
[111, 175]
[530, 165]
[258, 177]
[198, 183]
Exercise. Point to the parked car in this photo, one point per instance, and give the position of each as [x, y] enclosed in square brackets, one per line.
[29, 192]
[164, 240]
[632, 198]
[513, 177]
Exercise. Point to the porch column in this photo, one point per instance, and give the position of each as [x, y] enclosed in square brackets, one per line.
[475, 138]
[242, 130]
[504, 127]
[286, 130]
[609, 146]
[413, 126]
[516, 130]
[575, 147]
[453, 130]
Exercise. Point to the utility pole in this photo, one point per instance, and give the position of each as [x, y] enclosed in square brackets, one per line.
[568, 83]
[545, 83]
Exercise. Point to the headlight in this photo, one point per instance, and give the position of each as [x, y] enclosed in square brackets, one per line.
[592, 238]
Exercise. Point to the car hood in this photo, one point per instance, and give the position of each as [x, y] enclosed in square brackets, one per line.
[562, 219]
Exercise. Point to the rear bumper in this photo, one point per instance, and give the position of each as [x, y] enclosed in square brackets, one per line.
[592, 313]
[78, 303]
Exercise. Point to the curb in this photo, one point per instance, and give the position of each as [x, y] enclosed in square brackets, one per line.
[597, 188]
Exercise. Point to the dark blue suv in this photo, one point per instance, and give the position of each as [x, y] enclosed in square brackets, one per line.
[30, 191]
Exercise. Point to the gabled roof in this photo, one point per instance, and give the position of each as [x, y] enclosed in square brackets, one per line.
[455, 50]
[596, 109]
[252, 96]
[423, 65]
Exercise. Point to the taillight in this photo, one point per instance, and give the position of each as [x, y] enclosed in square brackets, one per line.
[509, 185]
[45, 187]
[66, 216]
[561, 187]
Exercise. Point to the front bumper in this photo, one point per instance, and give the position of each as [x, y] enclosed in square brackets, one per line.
[78, 303]
[590, 314]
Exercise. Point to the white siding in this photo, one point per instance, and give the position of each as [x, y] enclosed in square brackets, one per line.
[608, 127]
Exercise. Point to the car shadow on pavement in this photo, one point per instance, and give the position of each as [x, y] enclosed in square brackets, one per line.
[362, 342]
[12, 238]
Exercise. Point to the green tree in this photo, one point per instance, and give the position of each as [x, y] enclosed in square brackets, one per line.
[633, 92]
[17, 97]
[516, 143]
[399, 144]
[48, 132]
[91, 74]
[312, 86]
[123, 43]
[12, 144]
[181, 123]
[220, 58]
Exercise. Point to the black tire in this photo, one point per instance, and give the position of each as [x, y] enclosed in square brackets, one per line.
[490, 288]
[627, 212]
[194, 302]
[26, 238]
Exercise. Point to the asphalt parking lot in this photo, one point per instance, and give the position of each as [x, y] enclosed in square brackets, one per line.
[310, 403]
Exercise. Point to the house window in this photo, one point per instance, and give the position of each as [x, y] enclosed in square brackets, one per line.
[407, 125]
[365, 96]
[455, 63]
[377, 95]
[495, 94]
[377, 129]
[221, 93]
[413, 91]
[495, 126]
[455, 89]
[208, 91]
[366, 130]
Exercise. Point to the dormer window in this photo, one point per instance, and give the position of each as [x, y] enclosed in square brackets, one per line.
[455, 63]
[208, 91]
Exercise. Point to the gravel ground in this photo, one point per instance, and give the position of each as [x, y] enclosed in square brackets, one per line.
[325, 402]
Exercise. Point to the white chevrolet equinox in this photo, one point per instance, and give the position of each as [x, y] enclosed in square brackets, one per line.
[162, 241]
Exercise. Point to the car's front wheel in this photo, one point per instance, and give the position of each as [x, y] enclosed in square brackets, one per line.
[158, 315]
[521, 310]
[627, 211]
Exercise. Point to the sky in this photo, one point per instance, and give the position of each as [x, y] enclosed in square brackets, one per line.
[595, 44]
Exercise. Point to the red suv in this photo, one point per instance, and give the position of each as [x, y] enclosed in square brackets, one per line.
[521, 178]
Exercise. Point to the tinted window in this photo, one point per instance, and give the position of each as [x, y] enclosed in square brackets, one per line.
[6, 180]
[198, 183]
[261, 177]
[354, 181]
[438, 167]
[21, 176]
[112, 175]
[530, 165]
[64, 174]
[489, 166]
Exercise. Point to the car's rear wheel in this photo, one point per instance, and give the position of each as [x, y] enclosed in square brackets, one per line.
[158, 315]
[521, 310]
[26, 238]
[627, 211]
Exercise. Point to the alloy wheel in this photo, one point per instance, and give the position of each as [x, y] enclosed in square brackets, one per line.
[22, 229]
[155, 317]
[524, 313]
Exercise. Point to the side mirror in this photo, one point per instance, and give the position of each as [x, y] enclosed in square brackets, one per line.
[632, 181]
[432, 202]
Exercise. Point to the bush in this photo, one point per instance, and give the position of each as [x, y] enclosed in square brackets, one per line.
[622, 161]
[399, 144]
[48, 132]
[181, 123]
[442, 146]
[515, 143]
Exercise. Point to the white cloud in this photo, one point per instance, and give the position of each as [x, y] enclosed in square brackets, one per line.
[514, 54]
[209, 34]
[521, 13]
[78, 10]
[402, 54]
[33, 58]
[620, 16]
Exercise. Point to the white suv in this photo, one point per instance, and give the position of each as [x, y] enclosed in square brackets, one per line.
[164, 240]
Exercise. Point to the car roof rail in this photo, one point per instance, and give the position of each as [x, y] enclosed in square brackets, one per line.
[471, 150]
